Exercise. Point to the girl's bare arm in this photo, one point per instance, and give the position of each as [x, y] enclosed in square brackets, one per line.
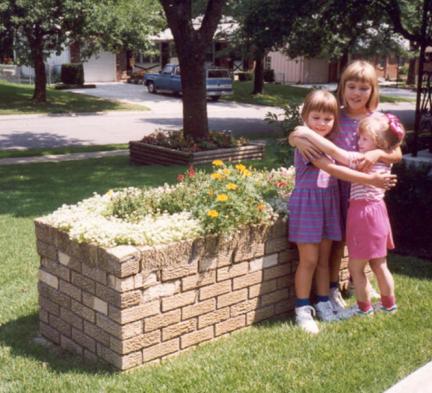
[387, 156]
[381, 180]
[324, 145]
[307, 149]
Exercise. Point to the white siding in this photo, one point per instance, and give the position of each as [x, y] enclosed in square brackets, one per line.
[100, 68]
[298, 70]
[315, 71]
[286, 70]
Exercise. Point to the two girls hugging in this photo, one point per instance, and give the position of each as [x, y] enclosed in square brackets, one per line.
[325, 212]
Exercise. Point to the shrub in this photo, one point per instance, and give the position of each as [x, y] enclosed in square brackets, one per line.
[269, 75]
[72, 74]
[245, 76]
[410, 209]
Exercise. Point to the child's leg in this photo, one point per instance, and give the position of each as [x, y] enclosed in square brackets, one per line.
[336, 256]
[357, 271]
[385, 281]
[322, 271]
[308, 255]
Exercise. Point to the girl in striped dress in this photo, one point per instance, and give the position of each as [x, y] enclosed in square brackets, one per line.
[314, 206]
[368, 231]
[358, 97]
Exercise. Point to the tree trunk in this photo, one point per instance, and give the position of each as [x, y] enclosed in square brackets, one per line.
[411, 71]
[195, 121]
[39, 94]
[259, 74]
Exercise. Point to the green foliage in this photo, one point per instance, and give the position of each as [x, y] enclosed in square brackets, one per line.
[269, 75]
[223, 201]
[288, 120]
[177, 140]
[410, 209]
[72, 74]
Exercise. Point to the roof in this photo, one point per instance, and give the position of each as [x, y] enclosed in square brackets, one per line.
[226, 27]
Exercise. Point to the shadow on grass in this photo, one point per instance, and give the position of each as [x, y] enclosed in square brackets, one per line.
[414, 267]
[20, 336]
[38, 189]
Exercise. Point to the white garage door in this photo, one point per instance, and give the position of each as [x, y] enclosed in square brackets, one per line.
[100, 68]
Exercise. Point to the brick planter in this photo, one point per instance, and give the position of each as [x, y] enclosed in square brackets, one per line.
[134, 305]
[145, 154]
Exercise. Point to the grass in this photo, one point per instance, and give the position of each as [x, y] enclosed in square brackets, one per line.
[38, 152]
[15, 99]
[360, 355]
[279, 95]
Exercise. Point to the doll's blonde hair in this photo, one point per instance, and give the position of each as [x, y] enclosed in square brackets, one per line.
[385, 129]
[360, 71]
[321, 101]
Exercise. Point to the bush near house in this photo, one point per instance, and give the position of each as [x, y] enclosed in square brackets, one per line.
[410, 210]
[72, 74]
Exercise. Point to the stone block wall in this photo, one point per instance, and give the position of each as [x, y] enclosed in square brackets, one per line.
[134, 305]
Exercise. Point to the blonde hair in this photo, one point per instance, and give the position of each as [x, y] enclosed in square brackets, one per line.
[320, 101]
[381, 128]
[360, 71]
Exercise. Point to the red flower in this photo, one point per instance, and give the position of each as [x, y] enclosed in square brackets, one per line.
[191, 171]
[180, 177]
[281, 184]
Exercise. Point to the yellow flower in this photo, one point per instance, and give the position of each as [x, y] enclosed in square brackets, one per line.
[231, 186]
[212, 213]
[261, 206]
[240, 167]
[246, 173]
[109, 192]
[217, 163]
[216, 176]
[226, 172]
[222, 198]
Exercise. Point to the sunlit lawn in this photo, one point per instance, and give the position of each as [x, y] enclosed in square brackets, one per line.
[279, 95]
[360, 355]
[16, 99]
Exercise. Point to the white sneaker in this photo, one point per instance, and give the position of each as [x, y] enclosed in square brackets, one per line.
[337, 300]
[304, 319]
[355, 311]
[325, 312]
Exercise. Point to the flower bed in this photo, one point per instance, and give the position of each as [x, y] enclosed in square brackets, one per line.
[172, 148]
[135, 276]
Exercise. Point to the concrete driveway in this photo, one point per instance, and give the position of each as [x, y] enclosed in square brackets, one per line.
[27, 131]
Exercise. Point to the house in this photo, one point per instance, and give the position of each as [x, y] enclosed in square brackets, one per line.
[219, 53]
[303, 70]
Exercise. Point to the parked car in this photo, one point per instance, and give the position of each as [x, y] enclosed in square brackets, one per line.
[218, 81]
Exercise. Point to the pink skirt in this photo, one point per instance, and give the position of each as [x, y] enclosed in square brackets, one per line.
[368, 232]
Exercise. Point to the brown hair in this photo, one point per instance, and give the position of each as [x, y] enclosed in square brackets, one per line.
[360, 71]
[381, 128]
[321, 101]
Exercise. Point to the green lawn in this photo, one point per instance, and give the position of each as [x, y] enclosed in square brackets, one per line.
[15, 99]
[359, 355]
[279, 95]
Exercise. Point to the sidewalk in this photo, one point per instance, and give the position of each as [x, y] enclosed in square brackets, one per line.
[419, 381]
[63, 157]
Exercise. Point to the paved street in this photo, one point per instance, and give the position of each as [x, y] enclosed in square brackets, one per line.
[26, 131]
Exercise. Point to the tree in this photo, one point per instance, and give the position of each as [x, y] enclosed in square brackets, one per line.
[191, 45]
[265, 25]
[42, 27]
